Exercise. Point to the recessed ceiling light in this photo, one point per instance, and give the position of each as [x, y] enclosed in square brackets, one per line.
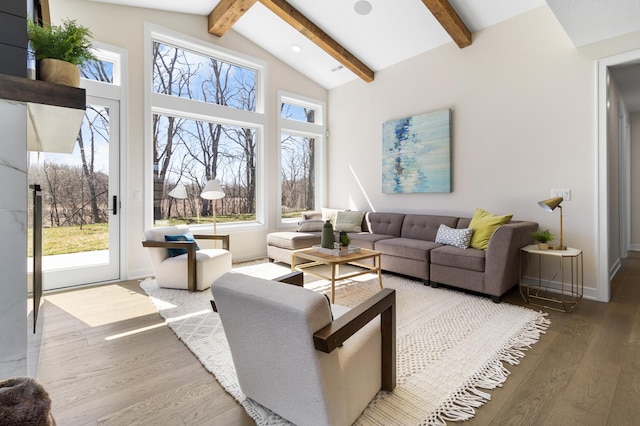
[296, 48]
[362, 7]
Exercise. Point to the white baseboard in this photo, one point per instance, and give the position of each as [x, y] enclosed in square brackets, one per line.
[138, 274]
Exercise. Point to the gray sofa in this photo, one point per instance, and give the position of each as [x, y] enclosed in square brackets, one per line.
[408, 247]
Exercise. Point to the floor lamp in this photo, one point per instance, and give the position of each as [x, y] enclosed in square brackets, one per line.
[213, 191]
[550, 205]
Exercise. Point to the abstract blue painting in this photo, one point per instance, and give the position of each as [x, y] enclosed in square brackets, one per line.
[416, 153]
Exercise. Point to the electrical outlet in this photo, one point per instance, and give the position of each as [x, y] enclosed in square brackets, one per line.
[565, 193]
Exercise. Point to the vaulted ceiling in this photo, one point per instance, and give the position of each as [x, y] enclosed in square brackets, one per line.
[337, 41]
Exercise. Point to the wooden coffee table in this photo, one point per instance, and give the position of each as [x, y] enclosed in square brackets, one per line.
[317, 258]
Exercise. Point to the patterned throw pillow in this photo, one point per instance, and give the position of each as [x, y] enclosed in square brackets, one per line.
[454, 237]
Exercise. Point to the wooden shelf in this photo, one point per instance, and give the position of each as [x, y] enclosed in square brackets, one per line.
[21, 89]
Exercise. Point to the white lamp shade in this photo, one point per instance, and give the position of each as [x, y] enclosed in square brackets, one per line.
[179, 192]
[212, 190]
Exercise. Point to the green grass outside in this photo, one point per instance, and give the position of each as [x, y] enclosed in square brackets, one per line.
[73, 239]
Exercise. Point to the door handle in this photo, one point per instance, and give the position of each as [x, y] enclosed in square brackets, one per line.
[115, 204]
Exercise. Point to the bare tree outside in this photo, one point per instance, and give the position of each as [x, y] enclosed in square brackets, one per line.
[297, 164]
[75, 186]
[190, 152]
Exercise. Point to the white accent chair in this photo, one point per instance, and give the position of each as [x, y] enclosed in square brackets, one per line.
[294, 359]
[194, 270]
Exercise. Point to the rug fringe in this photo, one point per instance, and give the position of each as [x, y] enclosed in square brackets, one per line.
[461, 405]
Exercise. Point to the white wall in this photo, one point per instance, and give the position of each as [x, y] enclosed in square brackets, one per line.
[523, 103]
[124, 27]
[635, 180]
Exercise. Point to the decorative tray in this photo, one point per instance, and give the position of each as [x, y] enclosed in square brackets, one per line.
[349, 250]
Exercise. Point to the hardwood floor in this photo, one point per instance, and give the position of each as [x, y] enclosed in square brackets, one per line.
[107, 358]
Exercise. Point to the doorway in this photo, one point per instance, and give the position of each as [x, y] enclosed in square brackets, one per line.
[81, 207]
[611, 205]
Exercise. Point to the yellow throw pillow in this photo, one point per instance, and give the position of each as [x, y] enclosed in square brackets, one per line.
[484, 224]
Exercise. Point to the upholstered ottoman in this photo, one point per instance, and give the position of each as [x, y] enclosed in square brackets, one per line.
[280, 244]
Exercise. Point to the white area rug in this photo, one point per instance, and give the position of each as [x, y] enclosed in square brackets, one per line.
[450, 346]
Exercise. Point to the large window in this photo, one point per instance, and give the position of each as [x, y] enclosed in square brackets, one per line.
[207, 122]
[302, 132]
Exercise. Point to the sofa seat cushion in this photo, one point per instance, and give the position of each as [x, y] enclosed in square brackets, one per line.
[471, 259]
[367, 240]
[407, 248]
[293, 240]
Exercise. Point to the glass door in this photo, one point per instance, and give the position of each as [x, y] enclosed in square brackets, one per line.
[81, 208]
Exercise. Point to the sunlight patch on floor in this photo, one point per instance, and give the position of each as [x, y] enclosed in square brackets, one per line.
[136, 331]
[103, 305]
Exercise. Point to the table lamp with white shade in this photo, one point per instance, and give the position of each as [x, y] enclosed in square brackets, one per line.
[213, 191]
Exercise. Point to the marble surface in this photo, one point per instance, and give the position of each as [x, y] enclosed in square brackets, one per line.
[13, 250]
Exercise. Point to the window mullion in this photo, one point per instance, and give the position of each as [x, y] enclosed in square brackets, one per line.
[187, 108]
[300, 126]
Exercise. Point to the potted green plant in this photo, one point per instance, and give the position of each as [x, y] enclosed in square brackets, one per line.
[345, 240]
[543, 238]
[60, 50]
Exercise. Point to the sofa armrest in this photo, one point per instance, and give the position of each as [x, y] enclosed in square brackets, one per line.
[335, 334]
[502, 258]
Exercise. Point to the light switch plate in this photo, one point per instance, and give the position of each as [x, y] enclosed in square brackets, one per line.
[565, 193]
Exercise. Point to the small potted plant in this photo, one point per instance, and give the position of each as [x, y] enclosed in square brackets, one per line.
[543, 238]
[345, 240]
[342, 243]
[60, 50]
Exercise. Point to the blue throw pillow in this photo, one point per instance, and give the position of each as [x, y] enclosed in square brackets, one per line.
[173, 252]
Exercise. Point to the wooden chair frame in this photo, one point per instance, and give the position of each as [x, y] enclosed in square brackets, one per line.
[335, 334]
[190, 246]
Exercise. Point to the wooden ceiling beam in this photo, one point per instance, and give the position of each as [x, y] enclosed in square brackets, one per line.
[310, 30]
[450, 21]
[227, 13]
